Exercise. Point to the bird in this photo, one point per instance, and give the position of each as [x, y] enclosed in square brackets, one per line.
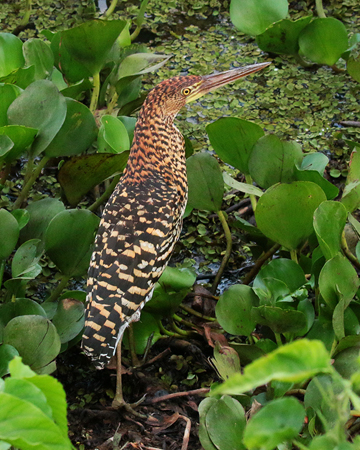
[142, 219]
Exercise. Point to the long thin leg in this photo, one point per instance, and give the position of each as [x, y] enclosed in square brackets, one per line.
[119, 401]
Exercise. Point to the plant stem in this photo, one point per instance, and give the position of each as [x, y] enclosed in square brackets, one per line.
[319, 9]
[225, 260]
[6, 173]
[167, 332]
[134, 359]
[110, 9]
[28, 185]
[177, 329]
[294, 256]
[196, 313]
[25, 19]
[95, 92]
[249, 180]
[183, 321]
[258, 264]
[59, 288]
[278, 339]
[348, 253]
[2, 268]
[105, 196]
[139, 20]
[300, 445]
[302, 62]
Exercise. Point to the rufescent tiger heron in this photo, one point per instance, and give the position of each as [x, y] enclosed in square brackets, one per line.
[143, 218]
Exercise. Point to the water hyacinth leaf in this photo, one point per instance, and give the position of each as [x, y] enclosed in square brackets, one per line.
[354, 167]
[206, 185]
[140, 64]
[254, 17]
[347, 362]
[26, 259]
[322, 330]
[76, 134]
[6, 144]
[9, 230]
[38, 53]
[11, 55]
[81, 173]
[338, 278]
[36, 340]
[129, 123]
[273, 161]
[324, 40]
[294, 362]
[233, 140]
[351, 196]
[90, 42]
[7, 353]
[226, 361]
[69, 240]
[328, 231]
[233, 310]
[22, 137]
[76, 90]
[113, 136]
[164, 303]
[69, 319]
[22, 77]
[277, 422]
[8, 93]
[242, 187]
[41, 213]
[177, 278]
[283, 37]
[330, 190]
[353, 67]
[204, 407]
[315, 161]
[283, 269]
[143, 330]
[43, 97]
[285, 212]
[278, 319]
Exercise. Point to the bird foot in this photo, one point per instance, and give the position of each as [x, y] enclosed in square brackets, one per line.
[119, 403]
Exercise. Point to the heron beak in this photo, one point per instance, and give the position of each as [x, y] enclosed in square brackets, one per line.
[211, 82]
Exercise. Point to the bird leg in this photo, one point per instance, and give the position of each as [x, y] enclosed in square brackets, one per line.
[119, 401]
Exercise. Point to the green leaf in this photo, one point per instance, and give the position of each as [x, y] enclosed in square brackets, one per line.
[142, 330]
[278, 319]
[324, 40]
[7, 353]
[164, 303]
[328, 231]
[11, 56]
[353, 67]
[43, 97]
[242, 187]
[338, 278]
[204, 407]
[226, 361]
[76, 134]
[351, 196]
[177, 278]
[254, 17]
[91, 42]
[22, 77]
[81, 173]
[206, 185]
[314, 161]
[233, 140]
[140, 64]
[69, 240]
[277, 422]
[69, 319]
[233, 310]
[8, 93]
[26, 259]
[35, 338]
[353, 175]
[330, 190]
[21, 136]
[113, 136]
[22, 216]
[9, 232]
[283, 37]
[295, 362]
[285, 212]
[6, 144]
[225, 424]
[38, 53]
[347, 362]
[273, 161]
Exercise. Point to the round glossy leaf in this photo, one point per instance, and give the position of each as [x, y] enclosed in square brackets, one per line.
[273, 161]
[142, 332]
[76, 134]
[8, 93]
[9, 232]
[11, 56]
[22, 216]
[21, 136]
[164, 303]
[204, 407]
[81, 173]
[206, 185]
[130, 122]
[330, 190]
[90, 42]
[225, 424]
[338, 279]
[6, 144]
[329, 231]
[174, 279]
[7, 353]
[315, 161]
[347, 362]
[38, 54]
[285, 212]
[113, 136]
[22, 77]
[69, 240]
[41, 213]
[353, 67]
[35, 338]
[278, 319]
[282, 37]
[322, 330]
[253, 17]
[69, 319]
[233, 310]
[40, 106]
[233, 140]
[26, 259]
[283, 269]
[324, 40]
[278, 421]
[226, 361]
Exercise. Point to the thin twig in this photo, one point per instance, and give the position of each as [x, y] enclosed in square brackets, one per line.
[186, 437]
[177, 394]
[258, 264]
[106, 195]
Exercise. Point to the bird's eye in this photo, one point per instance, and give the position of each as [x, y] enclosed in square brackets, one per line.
[186, 91]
